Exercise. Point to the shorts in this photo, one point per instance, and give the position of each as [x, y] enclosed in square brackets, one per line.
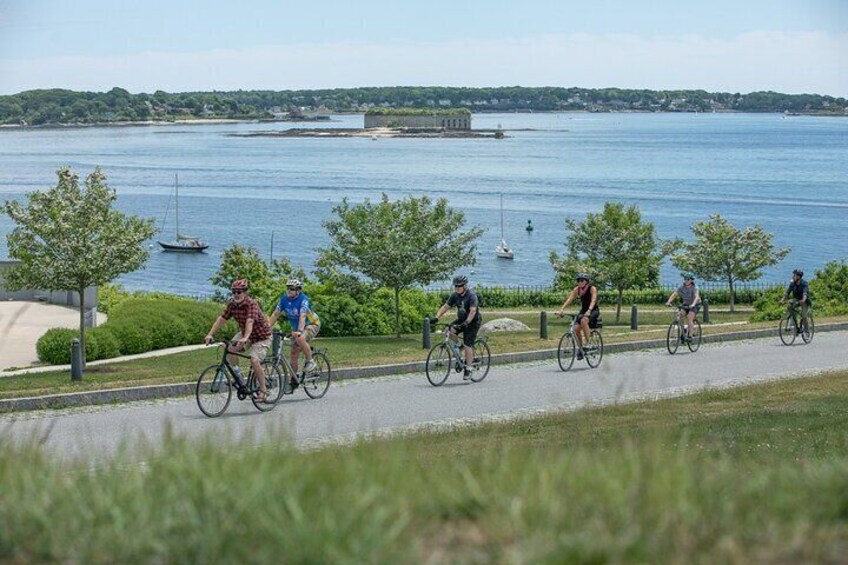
[257, 349]
[469, 333]
[309, 332]
[696, 308]
[593, 316]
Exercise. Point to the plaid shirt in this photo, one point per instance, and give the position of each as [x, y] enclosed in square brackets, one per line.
[248, 309]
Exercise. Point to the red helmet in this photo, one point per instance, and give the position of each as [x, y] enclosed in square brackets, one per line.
[240, 284]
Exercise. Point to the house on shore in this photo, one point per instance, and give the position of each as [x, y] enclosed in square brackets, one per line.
[428, 118]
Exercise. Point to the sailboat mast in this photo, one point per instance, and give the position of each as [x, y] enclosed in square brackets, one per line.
[177, 200]
[502, 232]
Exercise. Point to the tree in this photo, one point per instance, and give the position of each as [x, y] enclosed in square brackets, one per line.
[68, 238]
[615, 247]
[267, 281]
[722, 252]
[399, 244]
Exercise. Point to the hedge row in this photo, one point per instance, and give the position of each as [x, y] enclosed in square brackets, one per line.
[136, 325]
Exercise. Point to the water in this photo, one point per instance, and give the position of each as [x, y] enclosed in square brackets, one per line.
[788, 175]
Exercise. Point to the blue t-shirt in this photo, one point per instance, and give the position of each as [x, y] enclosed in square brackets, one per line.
[294, 307]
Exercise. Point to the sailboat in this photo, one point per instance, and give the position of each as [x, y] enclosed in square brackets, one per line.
[503, 251]
[181, 243]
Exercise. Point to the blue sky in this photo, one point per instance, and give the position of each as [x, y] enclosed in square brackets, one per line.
[738, 46]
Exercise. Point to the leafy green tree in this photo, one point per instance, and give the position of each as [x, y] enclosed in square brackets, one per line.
[267, 280]
[69, 238]
[616, 247]
[829, 289]
[398, 244]
[723, 252]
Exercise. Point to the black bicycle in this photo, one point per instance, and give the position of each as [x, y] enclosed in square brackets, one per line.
[448, 355]
[792, 325]
[314, 383]
[678, 331]
[593, 351]
[215, 385]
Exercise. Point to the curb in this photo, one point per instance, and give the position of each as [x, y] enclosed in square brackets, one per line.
[152, 392]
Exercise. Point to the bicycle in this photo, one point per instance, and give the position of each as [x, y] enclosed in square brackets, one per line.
[678, 332]
[593, 350]
[449, 355]
[791, 326]
[316, 382]
[214, 389]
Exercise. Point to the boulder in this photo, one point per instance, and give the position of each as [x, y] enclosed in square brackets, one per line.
[504, 325]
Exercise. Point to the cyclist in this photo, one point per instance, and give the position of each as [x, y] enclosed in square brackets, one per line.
[304, 322]
[690, 300]
[800, 292]
[468, 318]
[589, 310]
[254, 332]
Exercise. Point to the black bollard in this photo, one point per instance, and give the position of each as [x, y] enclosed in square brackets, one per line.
[425, 341]
[543, 325]
[76, 360]
[276, 342]
[706, 311]
[634, 318]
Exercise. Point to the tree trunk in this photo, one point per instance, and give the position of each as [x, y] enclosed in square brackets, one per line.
[82, 325]
[732, 293]
[397, 312]
[618, 305]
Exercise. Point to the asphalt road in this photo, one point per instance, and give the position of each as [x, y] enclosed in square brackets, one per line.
[389, 404]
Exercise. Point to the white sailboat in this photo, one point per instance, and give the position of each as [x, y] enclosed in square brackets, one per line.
[503, 251]
[182, 243]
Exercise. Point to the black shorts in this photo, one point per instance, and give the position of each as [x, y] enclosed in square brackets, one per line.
[696, 308]
[469, 333]
[593, 316]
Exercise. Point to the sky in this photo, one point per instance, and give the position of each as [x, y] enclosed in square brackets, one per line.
[790, 46]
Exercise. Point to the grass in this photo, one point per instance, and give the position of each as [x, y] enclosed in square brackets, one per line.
[756, 474]
[347, 352]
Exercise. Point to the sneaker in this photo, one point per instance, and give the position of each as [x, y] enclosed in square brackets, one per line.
[467, 375]
[580, 355]
[310, 366]
[290, 386]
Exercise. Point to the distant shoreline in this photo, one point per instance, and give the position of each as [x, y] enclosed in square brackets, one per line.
[379, 133]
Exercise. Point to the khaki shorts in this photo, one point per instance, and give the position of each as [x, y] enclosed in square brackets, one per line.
[310, 332]
[258, 350]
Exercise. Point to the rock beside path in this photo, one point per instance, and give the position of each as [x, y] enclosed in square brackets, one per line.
[505, 325]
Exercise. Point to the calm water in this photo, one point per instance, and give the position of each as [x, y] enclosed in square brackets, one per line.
[788, 175]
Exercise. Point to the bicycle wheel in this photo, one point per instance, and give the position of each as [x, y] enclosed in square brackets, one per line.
[213, 391]
[594, 350]
[808, 329]
[566, 350]
[316, 383]
[482, 359]
[787, 329]
[694, 342]
[439, 363]
[273, 386]
[672, 340]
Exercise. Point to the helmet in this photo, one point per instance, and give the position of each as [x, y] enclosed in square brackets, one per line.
[240, 284]
[460, 280]
[583, 277]
[798, 272]
[688, 275]
[294, 283]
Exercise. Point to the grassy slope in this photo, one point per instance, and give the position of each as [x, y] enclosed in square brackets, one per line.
[742, 475]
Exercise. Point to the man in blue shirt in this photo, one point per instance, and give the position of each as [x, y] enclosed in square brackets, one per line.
[303, 320]
[799, 291]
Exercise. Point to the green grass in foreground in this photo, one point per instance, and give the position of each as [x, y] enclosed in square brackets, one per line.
[344, 352]
[757, 474]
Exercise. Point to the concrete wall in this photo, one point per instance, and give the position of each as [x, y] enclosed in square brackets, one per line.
[60, 297]
[455, 121]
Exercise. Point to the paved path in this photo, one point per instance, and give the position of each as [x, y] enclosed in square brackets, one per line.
[404, 402]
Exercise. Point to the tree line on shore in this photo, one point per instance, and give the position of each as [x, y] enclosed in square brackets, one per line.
[60, 106]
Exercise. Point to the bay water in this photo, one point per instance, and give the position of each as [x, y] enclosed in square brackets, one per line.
[788, 174]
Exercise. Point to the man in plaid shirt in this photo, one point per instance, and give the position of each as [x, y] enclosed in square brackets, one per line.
[254, 334]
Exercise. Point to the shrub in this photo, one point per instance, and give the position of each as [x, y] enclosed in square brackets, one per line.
[54, 347]
[768, 307]
[829, 289]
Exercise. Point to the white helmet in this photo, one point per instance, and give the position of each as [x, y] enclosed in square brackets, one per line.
[294, 283]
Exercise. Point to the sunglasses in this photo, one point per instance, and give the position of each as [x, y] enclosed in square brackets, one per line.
[291, 288]
[238, 292]
[459, 286]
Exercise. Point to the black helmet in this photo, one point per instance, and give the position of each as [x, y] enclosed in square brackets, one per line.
[460, 280]
[582, 276]
[798, 272]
